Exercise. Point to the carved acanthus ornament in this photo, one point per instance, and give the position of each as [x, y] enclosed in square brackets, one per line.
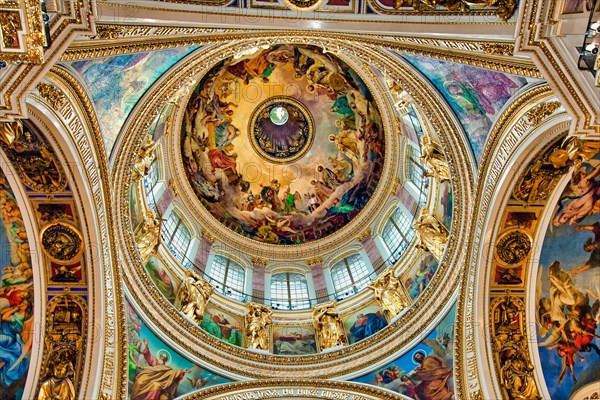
[433, 159]
[432, 234]
[543, 174]
[540, 112]
[502, 49]
[145, 158]
[328, 326]
[52, 94]
[147, 236]
[260, 261]
[505, 8]
[258, 320]
[364, 234]
[192, 296]
[513, 365]
[389, 292]
[315, 260]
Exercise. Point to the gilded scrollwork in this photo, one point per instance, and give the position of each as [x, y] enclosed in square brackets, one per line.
[192, 296]
[52, 94]
[542, 111]
[328, 326]
[258, 321]
[432, 234]
[504, 8]
[389, 292]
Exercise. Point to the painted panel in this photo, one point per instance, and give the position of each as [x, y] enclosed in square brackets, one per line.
[294, 340]
[161, 279]
[156, 371]
[223, 325]
[418, 277]
[117, 83]
[568, 287]
[475, 94]
[16, 296]
[425, 371]
[364, 323]
[445, 204]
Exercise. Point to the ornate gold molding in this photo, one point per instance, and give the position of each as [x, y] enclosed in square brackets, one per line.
[537, 114]
[315, 260]
[52, 94]
[22, 32]
[364, 234]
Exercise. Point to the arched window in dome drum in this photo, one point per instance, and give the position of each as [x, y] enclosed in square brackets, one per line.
[177, 237]
[150, 182]
[398, 233]
[228, 277]
[349, 276]
[415, 169]
[289, 291]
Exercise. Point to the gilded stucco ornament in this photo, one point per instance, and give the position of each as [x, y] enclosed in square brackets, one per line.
[258, 321]
[389, 292]
[513, 247]
[303, 5]
[432, 234]
[542, 174]
[539, 113]
[433, 159]
[52, 94]
[192, 296]
[61, 242]
[514, 367]
[329, 327]
[145, 158]
[505, 8]
[148, 235]
[58, 384]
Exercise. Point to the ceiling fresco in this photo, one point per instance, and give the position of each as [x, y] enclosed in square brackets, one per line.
[284, 145]
[476, 95]
[115, 84]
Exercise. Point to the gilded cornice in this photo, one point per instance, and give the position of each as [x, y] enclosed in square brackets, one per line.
[496, 55]
[348, 360]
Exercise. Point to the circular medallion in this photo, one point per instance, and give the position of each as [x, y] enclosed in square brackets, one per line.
[281, 130]
[303, 5]
[513, 247]
[61, 242]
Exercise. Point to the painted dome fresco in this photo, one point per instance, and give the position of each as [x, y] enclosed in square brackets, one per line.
[283, 144]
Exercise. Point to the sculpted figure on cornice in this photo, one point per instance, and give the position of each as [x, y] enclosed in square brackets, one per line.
[388, 292]
[192, 296]
[148, 236]
[538, 181]
[505, 10]
[434, 160]
[258, 319]
[329, 327]
[145, 159]
[432, 234]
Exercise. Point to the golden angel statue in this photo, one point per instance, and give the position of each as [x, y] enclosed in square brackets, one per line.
[434, 160]
[192, 296]
[389, 292]
[147, 236]
[258, 320]
[329, 327]
[432, 234]
[145, 158]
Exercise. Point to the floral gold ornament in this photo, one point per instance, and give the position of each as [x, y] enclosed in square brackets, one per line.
[61, 242]
[539, 113]
[192, 296]
[328, 326]
[22, 32]
[513, 247]
[52, 94]
[504, 8]
[258, 321]
[503, 49]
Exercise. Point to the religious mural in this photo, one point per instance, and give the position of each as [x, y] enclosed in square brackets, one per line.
[161, 279]
[284, 145]
[418, 277]
[223, 325]
[117, 83]
[16, 297]
[294, 340]
[568, 286]
[475, 94]
[156, 371]
[364, 323]
[445, 204]
[425, 371]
